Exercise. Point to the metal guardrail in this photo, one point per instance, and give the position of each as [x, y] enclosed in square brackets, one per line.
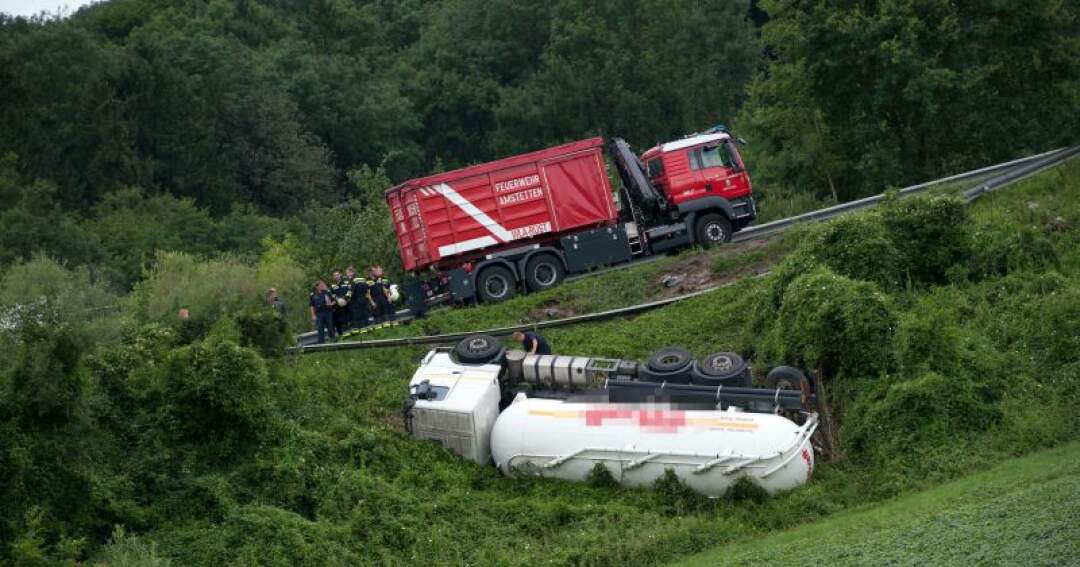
[827, 213]
[1015, 171]
[1020, 173]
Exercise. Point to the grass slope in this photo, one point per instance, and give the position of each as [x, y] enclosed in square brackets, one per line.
[336, 480]
[695, 268]
[1022, 512]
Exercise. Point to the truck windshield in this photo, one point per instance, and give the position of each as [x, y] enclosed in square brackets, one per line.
[711, 156]
[656, 167]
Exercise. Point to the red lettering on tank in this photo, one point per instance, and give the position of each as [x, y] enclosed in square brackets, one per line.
[655, 421]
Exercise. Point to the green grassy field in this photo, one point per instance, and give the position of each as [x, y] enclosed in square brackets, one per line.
[1023, 512]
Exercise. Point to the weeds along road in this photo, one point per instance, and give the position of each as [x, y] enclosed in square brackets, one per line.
[1023, 512]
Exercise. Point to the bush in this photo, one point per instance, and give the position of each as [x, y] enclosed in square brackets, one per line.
[858, 247]
[263, 330]
[834, 326]
[278, 269]
[927, 340]
[932, 234]
[126, 550]
[44, 292]
[897, 419]
[216, 400]
[1020, 248]
[208, 289]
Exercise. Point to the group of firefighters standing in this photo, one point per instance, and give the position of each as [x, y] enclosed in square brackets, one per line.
[351, 303]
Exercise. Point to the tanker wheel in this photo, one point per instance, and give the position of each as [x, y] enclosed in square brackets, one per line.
[713, 229]
[721, 368]
[477, 349]
[496, 284]
[672, 359]
[785, 378]
[543, 271]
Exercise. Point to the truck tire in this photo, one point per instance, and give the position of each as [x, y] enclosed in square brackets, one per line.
[713, 229]
[669, 360]
[678, 376]
[477, 349]
[721, 369]
[495, 284]
[543, 271]
[785, 378]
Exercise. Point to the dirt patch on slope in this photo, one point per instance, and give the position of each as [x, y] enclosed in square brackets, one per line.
[706, 269]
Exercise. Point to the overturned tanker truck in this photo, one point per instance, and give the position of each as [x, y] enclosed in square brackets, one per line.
[559, 416]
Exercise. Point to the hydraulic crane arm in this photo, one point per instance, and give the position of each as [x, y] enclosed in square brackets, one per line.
[634, 179]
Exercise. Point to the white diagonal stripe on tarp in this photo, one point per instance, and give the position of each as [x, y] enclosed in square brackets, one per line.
[466, 245]
[471, 210]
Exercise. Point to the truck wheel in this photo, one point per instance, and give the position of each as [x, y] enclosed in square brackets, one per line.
[679, 376]
[477, 349]
[496, 284]
[669, 359]
[713, 229]
[543, 271]
[785, 378]
[722, 368]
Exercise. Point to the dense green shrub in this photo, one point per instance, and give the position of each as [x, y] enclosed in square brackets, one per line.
[858, 247]
[834, 326]
[263, 330]
[897, 418]
[932, 234]
[216, 400]
[208, 289]
[1053, 323]
[44, 291]
[127, 550]
[999, 252]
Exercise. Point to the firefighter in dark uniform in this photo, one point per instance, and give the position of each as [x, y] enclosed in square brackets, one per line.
[342, 291]
[359, 301]
[380, 296]
[322, 311]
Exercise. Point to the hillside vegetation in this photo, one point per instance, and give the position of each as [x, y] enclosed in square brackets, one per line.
[167, 155]
[946, 336]
[229, 127]
[1025, 508]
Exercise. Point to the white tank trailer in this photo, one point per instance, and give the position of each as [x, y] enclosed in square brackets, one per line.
[559, 416]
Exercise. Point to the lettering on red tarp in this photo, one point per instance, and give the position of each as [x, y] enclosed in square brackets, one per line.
[517, 183]
[531, 230]
[521, 197]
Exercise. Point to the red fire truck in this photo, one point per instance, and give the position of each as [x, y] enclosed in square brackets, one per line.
[524, 222]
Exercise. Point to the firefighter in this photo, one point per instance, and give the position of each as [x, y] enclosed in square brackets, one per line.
[360, 300]
[341, 292]
[532, 342]
[274, 301]
[380, 295]
[322, 311]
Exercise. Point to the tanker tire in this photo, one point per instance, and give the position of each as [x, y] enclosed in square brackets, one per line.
[669, 359]
[721, 369]
[543, 271]
[784, 378]
[495, 284]
[477, 349]
[679, 376]
[713, 229]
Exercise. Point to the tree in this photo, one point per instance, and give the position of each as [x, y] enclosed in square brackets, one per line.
[869, 93]
[32, 222]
